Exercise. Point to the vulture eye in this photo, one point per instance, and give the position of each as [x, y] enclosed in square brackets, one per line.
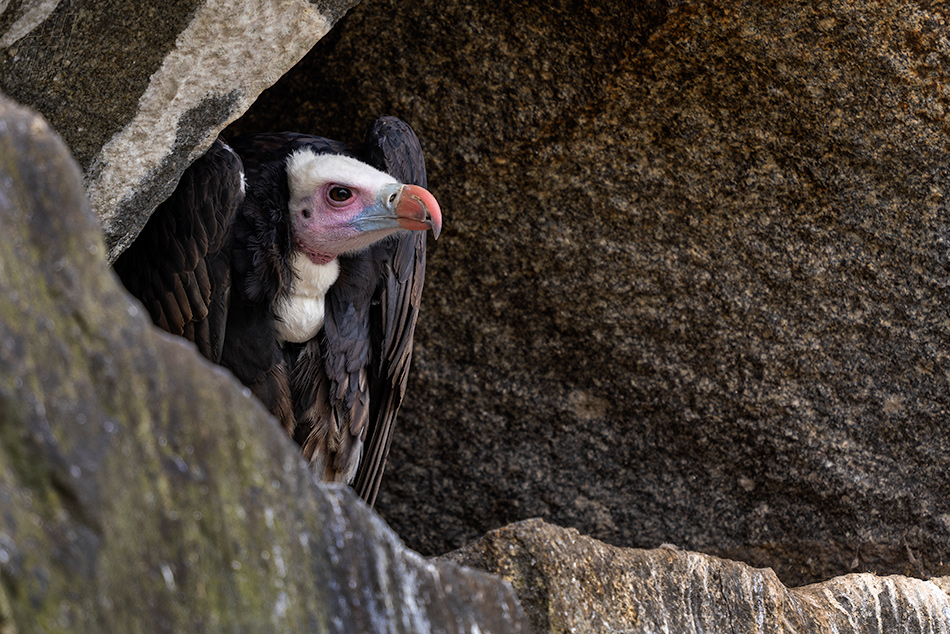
[340, 194]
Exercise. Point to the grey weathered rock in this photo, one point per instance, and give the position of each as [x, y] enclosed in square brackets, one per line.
[568, 582]
[139, 91]
[693, 283]
[141, 489]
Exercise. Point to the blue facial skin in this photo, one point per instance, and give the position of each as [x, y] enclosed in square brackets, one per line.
[381, 215]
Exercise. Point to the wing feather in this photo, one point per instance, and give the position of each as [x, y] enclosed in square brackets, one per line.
[321, 427]
[171, 313]
[167, 265]
[392, 146]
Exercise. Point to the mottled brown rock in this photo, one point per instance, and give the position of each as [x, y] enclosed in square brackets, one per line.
[141, 488]
[693, 286]
[568, 582]
[138, 91]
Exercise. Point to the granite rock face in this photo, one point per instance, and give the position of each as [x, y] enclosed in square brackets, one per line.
[571, 583]
[139, 91]
[693, 286]
[141, 489]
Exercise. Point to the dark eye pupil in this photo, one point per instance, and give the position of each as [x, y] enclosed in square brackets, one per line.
[340, 194]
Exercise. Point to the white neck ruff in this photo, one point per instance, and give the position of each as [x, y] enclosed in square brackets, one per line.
[300, 316]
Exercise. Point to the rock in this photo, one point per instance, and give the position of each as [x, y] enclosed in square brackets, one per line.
[693, 282]
[568, 582]
[141, 488]
[138, 94]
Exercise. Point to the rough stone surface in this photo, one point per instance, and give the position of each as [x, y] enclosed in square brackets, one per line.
[693, 286]
[141, 489]
[568, 582]
[139, 91]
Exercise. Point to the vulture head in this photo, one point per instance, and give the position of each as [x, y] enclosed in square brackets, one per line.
[341, 205]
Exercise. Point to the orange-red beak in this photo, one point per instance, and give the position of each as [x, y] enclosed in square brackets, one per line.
[418, 210]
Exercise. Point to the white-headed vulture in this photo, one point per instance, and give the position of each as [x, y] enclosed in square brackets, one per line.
[297, 263]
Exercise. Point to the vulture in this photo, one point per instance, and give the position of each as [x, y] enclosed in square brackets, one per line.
[297, 263]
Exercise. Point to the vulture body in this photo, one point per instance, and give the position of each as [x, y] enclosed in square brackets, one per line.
[297, 263]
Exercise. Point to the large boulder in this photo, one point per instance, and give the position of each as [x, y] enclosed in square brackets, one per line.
[141, 488]
[139, 91]
[568, 582]
[693, 286]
